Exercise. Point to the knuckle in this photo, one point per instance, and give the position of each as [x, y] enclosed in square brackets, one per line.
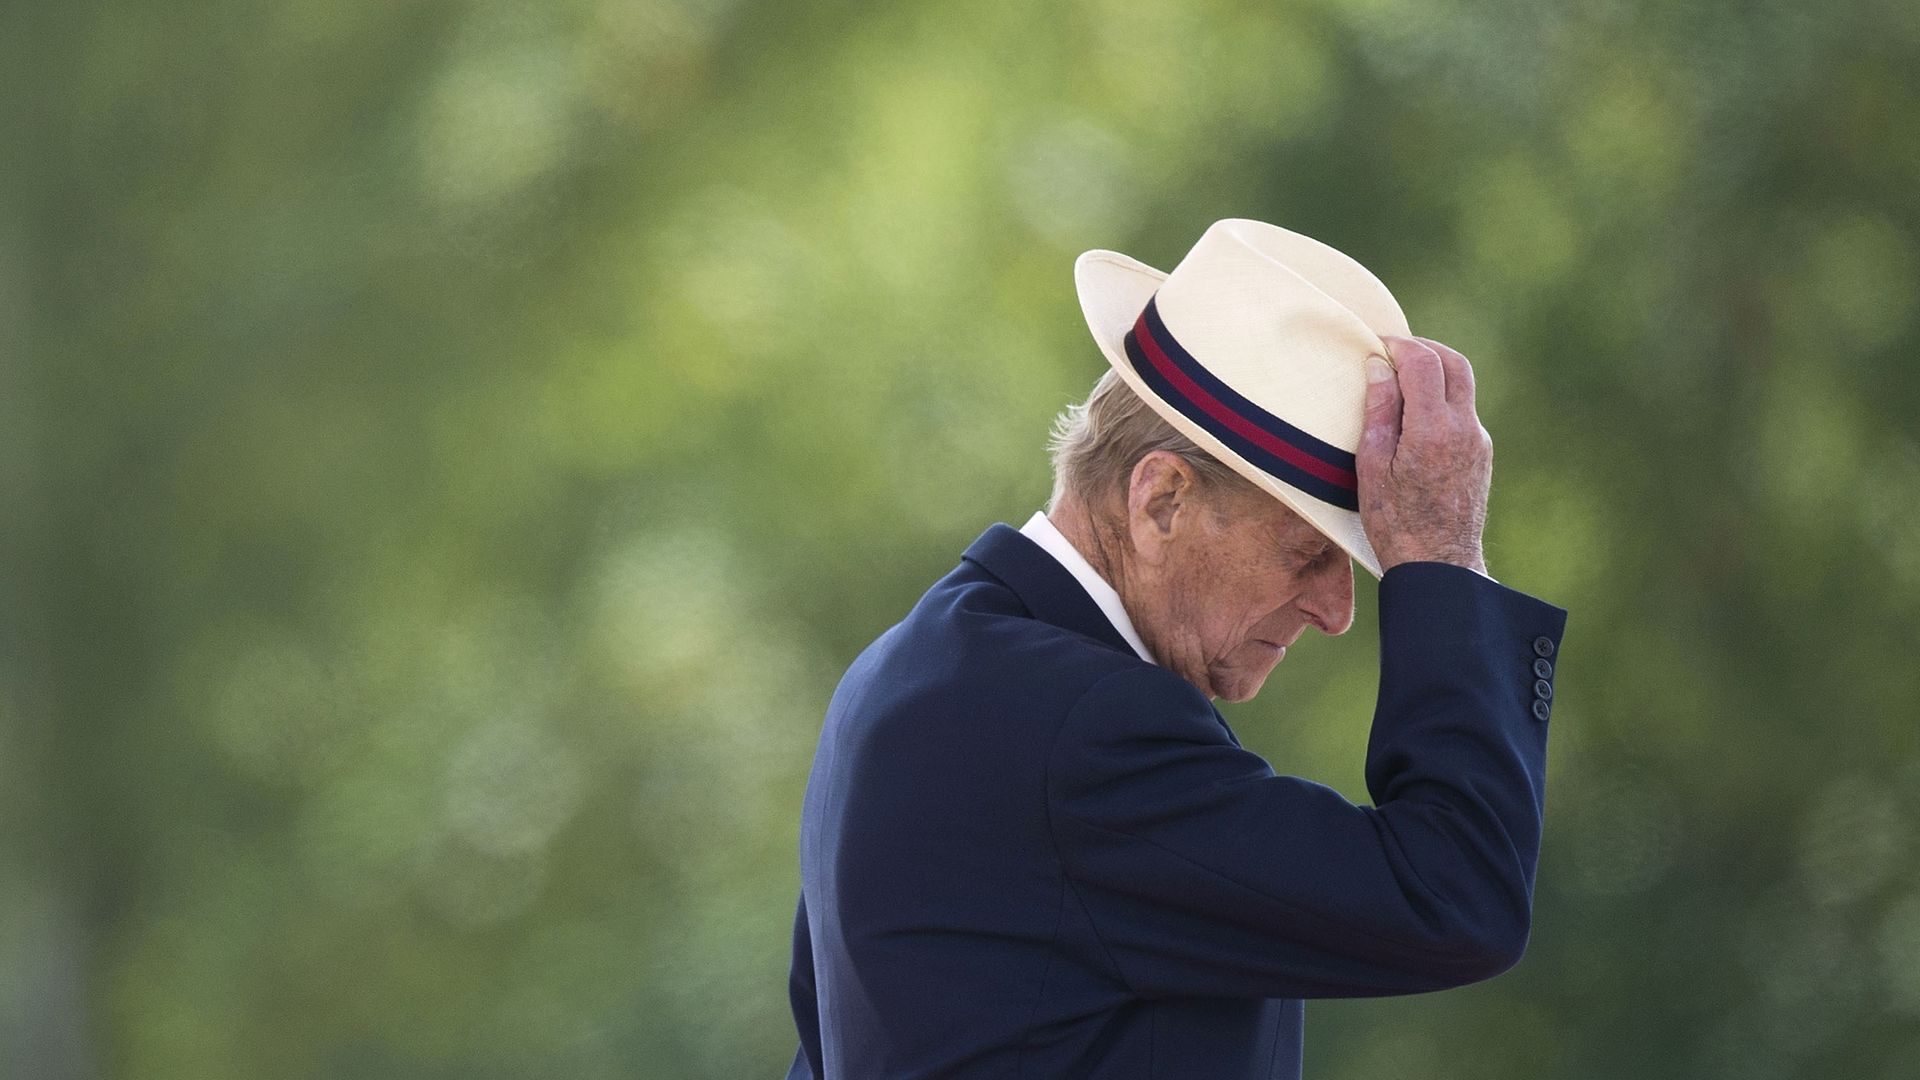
[1412, 350]
[1423, 358]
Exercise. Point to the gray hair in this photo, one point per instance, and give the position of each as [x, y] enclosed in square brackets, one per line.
[1095, 445]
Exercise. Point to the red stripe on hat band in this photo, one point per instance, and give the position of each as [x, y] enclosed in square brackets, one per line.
[1259, 436]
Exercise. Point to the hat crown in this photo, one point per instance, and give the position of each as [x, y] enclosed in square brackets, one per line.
[1284, 320]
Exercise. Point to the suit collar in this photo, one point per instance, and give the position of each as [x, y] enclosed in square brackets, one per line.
[1047, 588]
[1041, 530]
[1052, 593]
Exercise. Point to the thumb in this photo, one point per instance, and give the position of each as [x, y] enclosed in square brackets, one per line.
[1382, 426]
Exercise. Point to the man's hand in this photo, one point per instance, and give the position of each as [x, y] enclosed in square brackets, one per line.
[1424, 462]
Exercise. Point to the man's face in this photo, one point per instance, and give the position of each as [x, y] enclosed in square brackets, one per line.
[1236, 586]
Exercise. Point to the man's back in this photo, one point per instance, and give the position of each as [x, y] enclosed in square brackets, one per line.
[1027, 852]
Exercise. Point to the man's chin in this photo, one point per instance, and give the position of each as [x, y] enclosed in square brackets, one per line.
[1243, 685]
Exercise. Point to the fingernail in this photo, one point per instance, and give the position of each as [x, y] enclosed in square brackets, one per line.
[1377, 370]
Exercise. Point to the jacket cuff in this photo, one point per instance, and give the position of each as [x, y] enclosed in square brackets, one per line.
[1436, 616]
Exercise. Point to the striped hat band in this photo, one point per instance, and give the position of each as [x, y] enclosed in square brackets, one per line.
[1311, 465]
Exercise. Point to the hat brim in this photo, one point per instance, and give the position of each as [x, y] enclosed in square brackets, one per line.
[1113, 289]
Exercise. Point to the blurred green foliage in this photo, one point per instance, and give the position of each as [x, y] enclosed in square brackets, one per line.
[451, 449]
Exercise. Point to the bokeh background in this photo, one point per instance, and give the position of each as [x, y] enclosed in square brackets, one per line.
[450, 449]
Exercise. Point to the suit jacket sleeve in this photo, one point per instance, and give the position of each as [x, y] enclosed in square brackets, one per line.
[1204, 873]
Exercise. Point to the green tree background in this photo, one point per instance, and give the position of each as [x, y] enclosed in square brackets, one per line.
[451, 449]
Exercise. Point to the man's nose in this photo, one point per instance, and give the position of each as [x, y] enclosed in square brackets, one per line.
[1328, 600]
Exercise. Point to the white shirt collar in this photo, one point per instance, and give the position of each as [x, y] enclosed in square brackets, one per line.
[1043, 532]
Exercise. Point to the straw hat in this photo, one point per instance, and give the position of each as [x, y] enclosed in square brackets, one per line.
[1254, 347]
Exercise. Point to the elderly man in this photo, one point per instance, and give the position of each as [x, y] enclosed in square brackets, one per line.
[1032, 847]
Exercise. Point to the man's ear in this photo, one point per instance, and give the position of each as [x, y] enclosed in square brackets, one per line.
[1160, 501]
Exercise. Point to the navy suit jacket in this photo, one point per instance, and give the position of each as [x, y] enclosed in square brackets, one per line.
[1027, 852]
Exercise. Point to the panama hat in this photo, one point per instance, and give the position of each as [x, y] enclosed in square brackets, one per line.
[1255, 348]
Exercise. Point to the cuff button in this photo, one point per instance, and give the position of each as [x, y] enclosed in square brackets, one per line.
[1543, 646]
[1540, 708]
[1543, 668]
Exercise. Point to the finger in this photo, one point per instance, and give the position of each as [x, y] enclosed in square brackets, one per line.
[1459, 373]
[1380, 432]
[1423, 383]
